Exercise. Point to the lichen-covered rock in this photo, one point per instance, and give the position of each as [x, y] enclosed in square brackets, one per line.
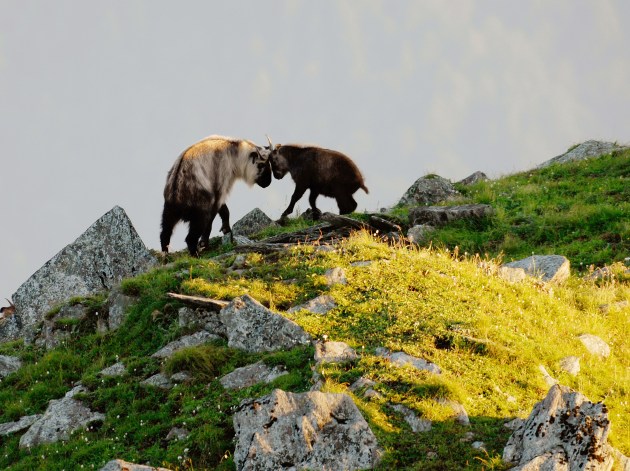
[252, 327]
[586, 150]
[403, 359]
[117, 369]
[13, 427]
[336, 276]
[334, 352]
[250, 375]
[564, 431]
[319, 305]
[430, 189]
[253, 222]
[549, 268]
[118, 303]
[303, 431]
[595, 345]
[419, 233]
[120, 465]
[437, 216]
[474, 178]
[158, 381]
[416, 423]
[62, 417]
[102, 256]
[8, 365]
[571, 365]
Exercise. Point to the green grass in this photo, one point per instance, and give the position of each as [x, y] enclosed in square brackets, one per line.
[488, 336]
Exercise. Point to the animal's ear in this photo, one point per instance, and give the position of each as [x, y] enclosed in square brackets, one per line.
[253, 156]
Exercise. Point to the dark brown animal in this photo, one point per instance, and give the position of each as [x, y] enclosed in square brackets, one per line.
[7, 310]
[200, 181]
[322, 171]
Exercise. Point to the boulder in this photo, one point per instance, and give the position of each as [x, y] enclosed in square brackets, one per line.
[253, 222]
[549, 268]
[403, 359]
[250, 375]
[252, 327]
[200, 318]
[416, 423]
[101, 257]
[336, 276]
[62, 417]
[303, 431]
[13, 427]
[474, 178]
[586, 150]
[159, 381]
[437, 216]
[595, 345]
[334, 352]
[419, 233]
[564, 431]
[58, 328]
[117, 369]
[571, 365]
[319, 305]
[430, 189]
[8, 365]
[120, 465]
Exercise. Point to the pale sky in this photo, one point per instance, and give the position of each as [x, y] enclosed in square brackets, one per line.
[97, 99]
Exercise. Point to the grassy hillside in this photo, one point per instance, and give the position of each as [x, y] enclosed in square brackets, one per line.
[488, 336]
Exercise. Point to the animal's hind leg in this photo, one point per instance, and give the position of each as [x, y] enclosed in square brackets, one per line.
[207, 227]
[346, 204]
[224, 212]
[170, 217]
[312, 197]
[197, 226]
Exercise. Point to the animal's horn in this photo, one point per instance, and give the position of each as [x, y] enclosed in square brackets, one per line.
[270, 144]
[13, 305]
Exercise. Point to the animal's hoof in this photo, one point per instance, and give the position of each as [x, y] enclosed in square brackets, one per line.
[283, 220]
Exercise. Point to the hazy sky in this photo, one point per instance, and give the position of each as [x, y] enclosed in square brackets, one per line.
[97, 99]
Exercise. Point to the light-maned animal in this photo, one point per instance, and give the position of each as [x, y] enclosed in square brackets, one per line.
[322, 171]
[198, 184]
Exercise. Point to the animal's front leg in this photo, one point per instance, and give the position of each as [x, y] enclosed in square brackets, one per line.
[224, 212]
[311, 199]
[297, 194]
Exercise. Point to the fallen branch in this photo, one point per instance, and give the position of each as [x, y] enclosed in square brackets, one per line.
[208, 303]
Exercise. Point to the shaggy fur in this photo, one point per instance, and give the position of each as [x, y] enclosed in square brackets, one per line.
[322, 171]
[200, 181]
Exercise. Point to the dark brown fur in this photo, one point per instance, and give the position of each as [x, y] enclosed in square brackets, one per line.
[322, 171]
[7, 311]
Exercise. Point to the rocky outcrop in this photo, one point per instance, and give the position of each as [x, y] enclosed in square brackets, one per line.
[430, 189]
[252, 327]
[62, 417]
[549, 268]
[253, 222]
[564, 431]
[586, 150]
[102, 256]
[303, 431]
[437, 216]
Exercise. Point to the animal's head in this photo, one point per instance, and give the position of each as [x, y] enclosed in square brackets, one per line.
[7, 311]
[279, 164]
[260, 158]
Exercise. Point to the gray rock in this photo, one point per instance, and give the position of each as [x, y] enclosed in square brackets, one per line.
[478, 445]
[430, 189]
[549, 268]
[8, 365]
[58, 328]
[571, 365]
[303, 431]
[253, 222]
[252, 327]
[62, 417]
[201, 319]
[595, 345]
[417, 424]
[361, 263]
[117, 369]
[474, 178]
[236, 239]
[419, 233]
[194, 340]
[120, 465]
[461, 416]
[362, 383]
[251, 374]
[335, 276]
[158, 381]
[118, 303]
[102, 256]
[177, 433]
[564, 431]
[549, 380]
[512, 274]
[319, 305]
[181, 377]
[586, 150]
[403, 359]
[437, 216]
[334, 352]
[13, 427]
